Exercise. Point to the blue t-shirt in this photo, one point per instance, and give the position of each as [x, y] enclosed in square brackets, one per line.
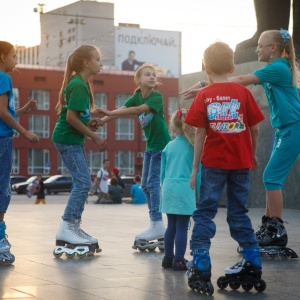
[6, 88]
[138, 194]
[283, 99]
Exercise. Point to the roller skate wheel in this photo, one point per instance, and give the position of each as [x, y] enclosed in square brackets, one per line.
[70, 255]
[10, 260]
[247, 286]
[98, 250]
[81, 255]
[209, 288]
[221, 283]
[141, 249]
[57, 255]
[260, 286]
[151, 249]
[234, 285]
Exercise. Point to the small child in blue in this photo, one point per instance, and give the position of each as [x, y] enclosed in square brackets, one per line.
[178, 199]
[137, 194]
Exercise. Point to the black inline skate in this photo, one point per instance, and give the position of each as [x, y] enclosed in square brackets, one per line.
[243, 274]
[199, 273]
[273, 241]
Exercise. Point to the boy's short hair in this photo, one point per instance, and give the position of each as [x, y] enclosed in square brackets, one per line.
[114, 181]
[218, 58]
[137, 178]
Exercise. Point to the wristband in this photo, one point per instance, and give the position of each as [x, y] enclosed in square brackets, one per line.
[202, 83]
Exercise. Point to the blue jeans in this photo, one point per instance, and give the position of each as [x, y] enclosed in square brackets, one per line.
[6, 164]
[74, 158]
[176, 233]
[151, 182]
[212, 183]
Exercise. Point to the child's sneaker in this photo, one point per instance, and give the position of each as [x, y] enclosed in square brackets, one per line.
[167, 262]
[179, 264]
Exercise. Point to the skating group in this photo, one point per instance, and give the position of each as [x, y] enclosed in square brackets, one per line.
[214, 144]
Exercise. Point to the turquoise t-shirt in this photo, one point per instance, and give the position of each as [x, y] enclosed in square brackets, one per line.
[153, 122]
[6, 88]
[283, 99]
[77, 98]
[138, 196]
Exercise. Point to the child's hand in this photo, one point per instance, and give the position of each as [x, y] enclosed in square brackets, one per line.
[94, 124]
[103, 111]
[101, 143]
[192, 181]
[29, 106]
[32, 137]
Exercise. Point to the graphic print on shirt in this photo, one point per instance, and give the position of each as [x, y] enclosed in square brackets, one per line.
[145, 118]
[86, 114]
[224, 111]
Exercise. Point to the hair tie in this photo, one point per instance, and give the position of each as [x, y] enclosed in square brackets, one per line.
[285, 35]
[71, 55]
[181, 112]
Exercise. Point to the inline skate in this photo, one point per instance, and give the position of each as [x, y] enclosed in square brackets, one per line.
[71, 239]
[5, 256]
[246, 273]
[151, 238]
[199, 273]
[243, 274]
[273, 240]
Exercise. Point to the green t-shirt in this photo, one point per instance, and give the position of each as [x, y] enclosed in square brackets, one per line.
[77, 98]
[153, 122]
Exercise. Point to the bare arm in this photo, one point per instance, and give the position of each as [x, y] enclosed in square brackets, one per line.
[6, 117]
[254, 138]
[124, 111]
[245, 79]
[72, 119]
[198, 150]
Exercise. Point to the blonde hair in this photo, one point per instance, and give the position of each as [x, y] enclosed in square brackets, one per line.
[286, 51]
[139, 72]
[182, 128]
[218, 57]
[75, 64]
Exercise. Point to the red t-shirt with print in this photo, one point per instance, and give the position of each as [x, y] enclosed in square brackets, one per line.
[227, 110]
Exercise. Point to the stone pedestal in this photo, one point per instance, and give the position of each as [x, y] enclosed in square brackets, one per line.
[291, 188]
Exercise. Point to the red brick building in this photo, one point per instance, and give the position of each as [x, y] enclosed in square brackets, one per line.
[124, 136]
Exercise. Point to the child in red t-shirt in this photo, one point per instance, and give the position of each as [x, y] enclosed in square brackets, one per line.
[226, 118]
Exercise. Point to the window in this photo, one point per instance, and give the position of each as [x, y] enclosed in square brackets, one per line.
[101, 101]
[39, 124]
[124, 129]
[173, 105]
[121, 99]
[38, 161]
[15, 161]
[42, 98]
[125, 162]
[95, 160]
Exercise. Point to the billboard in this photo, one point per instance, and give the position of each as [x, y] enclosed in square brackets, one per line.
[134, 46]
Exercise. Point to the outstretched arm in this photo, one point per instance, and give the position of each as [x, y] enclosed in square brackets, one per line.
[123, 111]
[245, 79]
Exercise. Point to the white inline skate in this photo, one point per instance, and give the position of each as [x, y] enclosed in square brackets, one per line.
[71, 239]
[5, 256]
[151, 238]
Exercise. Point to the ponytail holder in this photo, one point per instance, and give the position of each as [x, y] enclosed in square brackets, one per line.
[285, 35]
[70, 55]
[181, 112]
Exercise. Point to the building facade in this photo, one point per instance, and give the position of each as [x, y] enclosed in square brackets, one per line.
[125, 139]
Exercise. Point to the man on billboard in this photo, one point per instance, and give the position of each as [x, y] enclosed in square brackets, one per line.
[131, 64]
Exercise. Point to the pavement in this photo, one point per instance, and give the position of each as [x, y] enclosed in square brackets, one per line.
[119, 272]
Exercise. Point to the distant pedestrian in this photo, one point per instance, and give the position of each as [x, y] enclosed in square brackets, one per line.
[101, 182]
[115, 191]
[40, 190]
